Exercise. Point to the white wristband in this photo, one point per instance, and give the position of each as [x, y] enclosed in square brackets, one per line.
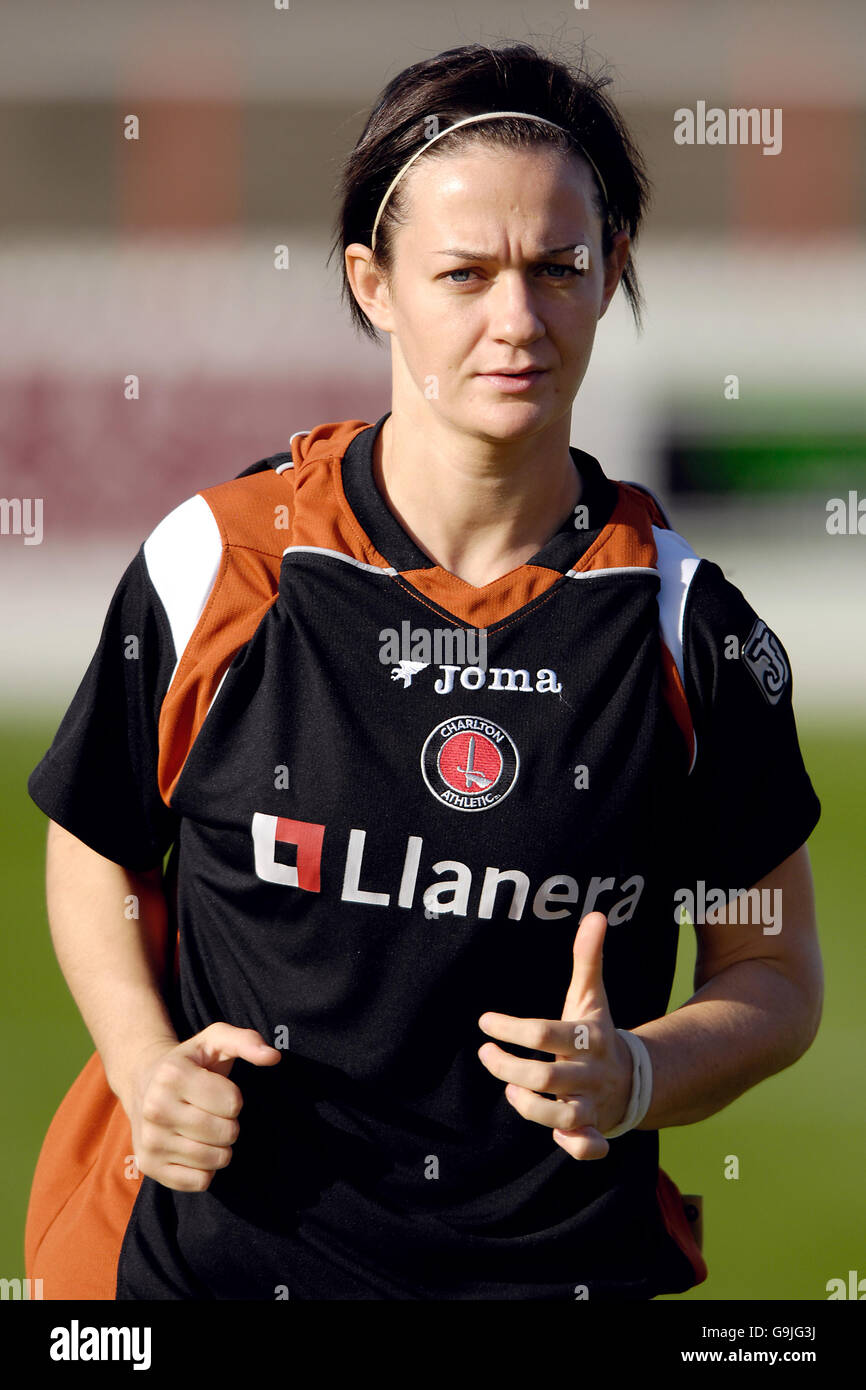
[641, 1085]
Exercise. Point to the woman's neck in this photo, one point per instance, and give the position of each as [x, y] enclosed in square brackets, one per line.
[477, 511]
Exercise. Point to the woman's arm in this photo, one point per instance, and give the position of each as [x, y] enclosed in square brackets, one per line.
[181, 1104]
[113, 963]
[756, 1007]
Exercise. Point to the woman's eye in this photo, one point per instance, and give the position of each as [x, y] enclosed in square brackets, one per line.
[548, 265]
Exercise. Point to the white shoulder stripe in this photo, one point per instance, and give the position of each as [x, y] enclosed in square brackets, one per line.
[677, 564]
[642, 487]
[183, 557]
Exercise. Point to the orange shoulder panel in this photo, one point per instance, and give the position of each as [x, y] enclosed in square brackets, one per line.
[323, 517]
[627, 539]
[633, 544]
[254, 516]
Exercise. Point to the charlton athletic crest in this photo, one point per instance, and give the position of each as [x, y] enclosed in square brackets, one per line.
[469, 763]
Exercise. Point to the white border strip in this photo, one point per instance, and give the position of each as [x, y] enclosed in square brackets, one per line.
[281, 468]
[678, 564]
[338, 555]
[613, 569]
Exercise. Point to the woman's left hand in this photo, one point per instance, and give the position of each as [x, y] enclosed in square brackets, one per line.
[591, 1074]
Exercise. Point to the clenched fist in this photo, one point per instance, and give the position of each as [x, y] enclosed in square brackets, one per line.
[184, 1107]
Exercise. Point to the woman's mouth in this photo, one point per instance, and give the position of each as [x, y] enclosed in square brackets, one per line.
[513, 381]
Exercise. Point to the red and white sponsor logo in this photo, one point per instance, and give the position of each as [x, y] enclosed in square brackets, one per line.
[454, 888]
[304, 836]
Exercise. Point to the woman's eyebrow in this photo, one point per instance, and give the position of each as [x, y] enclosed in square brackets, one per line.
[486, 256]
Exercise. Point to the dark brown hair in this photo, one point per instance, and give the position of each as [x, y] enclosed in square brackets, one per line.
[466, 82]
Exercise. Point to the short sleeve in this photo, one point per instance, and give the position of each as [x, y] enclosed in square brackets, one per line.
[99, 777]
[749, 801]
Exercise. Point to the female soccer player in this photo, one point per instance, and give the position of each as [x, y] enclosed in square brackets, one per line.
[442, 727]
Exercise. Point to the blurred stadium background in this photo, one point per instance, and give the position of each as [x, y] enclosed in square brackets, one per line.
[156, 257]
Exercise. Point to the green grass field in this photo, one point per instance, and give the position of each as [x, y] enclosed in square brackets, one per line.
[791, 1221]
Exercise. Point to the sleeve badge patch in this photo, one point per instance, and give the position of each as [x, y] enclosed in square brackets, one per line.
[763, 656]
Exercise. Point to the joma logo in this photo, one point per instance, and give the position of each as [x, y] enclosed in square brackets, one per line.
[475, 678]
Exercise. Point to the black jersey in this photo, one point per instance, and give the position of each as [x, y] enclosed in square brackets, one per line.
[392, 796]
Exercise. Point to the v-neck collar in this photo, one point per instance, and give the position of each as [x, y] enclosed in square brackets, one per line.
[560, 553]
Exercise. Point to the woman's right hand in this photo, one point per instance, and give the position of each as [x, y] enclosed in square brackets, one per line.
[183, 1107]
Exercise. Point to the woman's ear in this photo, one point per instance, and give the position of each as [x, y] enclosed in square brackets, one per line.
[369, 286]
[614, 264]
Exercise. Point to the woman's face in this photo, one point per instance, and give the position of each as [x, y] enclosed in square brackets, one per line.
[488, 277]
